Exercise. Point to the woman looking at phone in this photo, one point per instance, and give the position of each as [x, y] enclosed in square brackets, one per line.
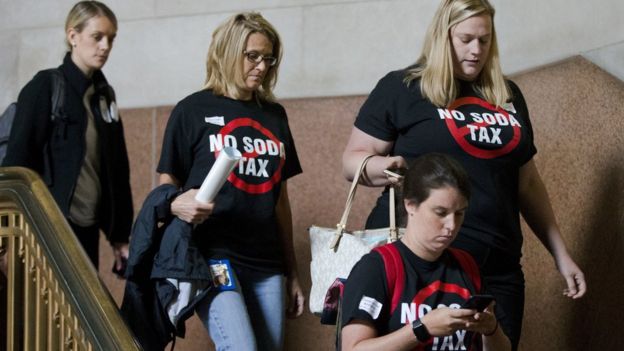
[421, 307]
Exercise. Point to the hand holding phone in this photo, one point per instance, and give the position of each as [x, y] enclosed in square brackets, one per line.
[478, 302]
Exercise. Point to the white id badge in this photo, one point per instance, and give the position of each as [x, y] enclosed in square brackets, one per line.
[221, 274]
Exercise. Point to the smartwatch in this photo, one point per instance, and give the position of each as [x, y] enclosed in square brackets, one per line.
[420, 331]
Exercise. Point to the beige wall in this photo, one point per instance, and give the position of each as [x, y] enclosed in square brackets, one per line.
[332, 47]
[576, 110]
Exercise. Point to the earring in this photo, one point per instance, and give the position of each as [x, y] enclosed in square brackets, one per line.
[74, 44]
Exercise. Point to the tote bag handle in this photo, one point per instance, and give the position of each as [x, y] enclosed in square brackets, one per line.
[341, 226]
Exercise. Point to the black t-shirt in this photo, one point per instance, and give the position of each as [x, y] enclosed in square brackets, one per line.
[492, 144]
[428, 285]
[243, 224]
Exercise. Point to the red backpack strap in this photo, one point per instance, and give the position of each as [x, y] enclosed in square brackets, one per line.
[395, 272]
[468, 264]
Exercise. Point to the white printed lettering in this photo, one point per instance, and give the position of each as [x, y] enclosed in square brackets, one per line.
[473, 129]
[483, 135]
[501, 119]
[262, 171]
[476, 117]
[230, 141]
[251, 167]
[216, 142]
[489, 118]
[435, 343]
[248, 144]
[444, 114]
[461, 334]
[458, 115]
[272, 148]
[496, 136]
[447, 344]
[408, 312]
[514, 122]
[260, 146]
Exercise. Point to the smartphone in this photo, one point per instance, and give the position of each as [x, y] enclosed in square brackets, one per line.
[393, 173]
[478, 302]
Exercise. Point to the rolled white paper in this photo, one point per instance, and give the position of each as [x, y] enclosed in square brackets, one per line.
[218, 174]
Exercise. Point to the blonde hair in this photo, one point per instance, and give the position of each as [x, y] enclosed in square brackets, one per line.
[82, 12]
[224, 64]
[434, 67]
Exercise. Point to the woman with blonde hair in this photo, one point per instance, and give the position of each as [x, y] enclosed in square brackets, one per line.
[455, 100]
[80, 153]
[248, 226]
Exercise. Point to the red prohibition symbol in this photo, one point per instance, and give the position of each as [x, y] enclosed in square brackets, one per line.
[233, 178]
[459, 132]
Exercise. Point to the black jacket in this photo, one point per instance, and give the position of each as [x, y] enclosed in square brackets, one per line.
[161, 247]
[56, 149]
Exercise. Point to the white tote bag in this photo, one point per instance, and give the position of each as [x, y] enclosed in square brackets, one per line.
[335, 251]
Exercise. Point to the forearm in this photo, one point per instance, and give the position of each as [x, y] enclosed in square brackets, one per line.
[285, 231]
[496, 342]
[537, 210]
[373, 174]
[166, 178]
[361, 145]
[402, 339]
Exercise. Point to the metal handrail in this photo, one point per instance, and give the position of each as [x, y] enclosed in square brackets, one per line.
[54, 298]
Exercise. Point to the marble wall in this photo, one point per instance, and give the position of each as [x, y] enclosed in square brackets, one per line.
[331, 47]
[576, 110]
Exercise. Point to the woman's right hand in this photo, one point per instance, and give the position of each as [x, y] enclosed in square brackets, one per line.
[361, 145]
[445, 321]
[190, 210]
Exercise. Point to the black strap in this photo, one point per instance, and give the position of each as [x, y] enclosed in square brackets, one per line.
[58, 93]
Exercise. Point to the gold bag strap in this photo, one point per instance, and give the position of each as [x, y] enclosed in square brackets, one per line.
[341, 226]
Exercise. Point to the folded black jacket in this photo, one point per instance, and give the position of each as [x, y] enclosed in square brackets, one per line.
[161, 247]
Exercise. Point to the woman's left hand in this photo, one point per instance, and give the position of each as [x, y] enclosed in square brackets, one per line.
[483, 322]
[120, 253]
[295, 298]
[574, 277]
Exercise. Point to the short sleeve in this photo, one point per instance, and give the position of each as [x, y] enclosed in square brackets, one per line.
[292, 167]
[376, 114]
[521, 106]
[176, 155]
[365, 295]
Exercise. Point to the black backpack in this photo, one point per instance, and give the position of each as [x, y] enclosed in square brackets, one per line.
[57, 99]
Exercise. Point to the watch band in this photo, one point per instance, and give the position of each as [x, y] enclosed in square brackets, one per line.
[420, 331]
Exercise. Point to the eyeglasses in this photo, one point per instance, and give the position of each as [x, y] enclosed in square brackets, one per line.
[255, 58]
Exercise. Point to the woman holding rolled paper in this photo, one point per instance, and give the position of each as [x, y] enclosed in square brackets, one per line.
[245, 233]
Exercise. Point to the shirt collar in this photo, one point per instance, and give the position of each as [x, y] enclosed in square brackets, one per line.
[74, 75]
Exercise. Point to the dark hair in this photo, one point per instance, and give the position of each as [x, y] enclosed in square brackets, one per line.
[434, 171]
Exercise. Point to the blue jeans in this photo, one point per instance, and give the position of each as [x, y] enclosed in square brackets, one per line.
[248, 318]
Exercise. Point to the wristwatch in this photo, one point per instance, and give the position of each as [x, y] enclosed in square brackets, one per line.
[420, 331]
